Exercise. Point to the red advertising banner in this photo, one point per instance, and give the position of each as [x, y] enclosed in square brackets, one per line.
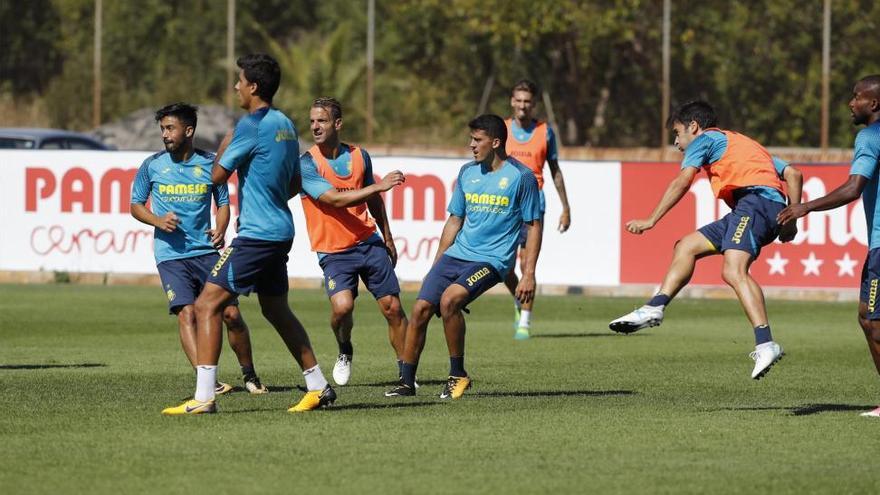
[827, 253]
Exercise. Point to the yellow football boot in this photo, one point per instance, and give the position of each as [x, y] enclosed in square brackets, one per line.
[455, 387]
[191, 407]
[314, 400]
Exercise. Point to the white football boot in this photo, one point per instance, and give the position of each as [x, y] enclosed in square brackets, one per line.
[644, 317]
[342, 369]
[765, 356]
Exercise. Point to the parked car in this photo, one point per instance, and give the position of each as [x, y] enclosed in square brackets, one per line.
[47, 139]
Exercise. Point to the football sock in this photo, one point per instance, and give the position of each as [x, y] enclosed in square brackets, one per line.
[206, 380]
[525, 318]
[659, 300]
[248, 372]
[762, 334]
[408, 374]
[399, 367]
[346, 348]
[314, 378]
[516, 303]
[456, 366]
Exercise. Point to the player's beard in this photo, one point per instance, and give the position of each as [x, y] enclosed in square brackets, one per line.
[172, 147]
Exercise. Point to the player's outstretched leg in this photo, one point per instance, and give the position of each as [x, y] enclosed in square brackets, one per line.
[735, 273]
[277, 312]
[685, 255]
[240, 341]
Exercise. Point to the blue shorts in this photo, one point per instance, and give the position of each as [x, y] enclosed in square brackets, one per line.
[749, 227]
[252, 265]
[183, 279]
[475, 276]
[870, 282]
[524, 232]
[368, 261]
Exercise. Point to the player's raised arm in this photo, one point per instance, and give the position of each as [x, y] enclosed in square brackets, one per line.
[674, 192]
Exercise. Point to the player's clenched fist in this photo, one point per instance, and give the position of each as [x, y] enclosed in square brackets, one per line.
[168, 222]
[639, 226]
[394, 178]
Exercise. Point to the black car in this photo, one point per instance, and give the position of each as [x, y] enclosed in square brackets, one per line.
[47, 139]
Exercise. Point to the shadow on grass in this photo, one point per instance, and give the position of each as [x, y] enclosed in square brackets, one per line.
[395, 382]
[49, 366]
[574, 335]
[806, 409]
[348, 407]
[556, 393]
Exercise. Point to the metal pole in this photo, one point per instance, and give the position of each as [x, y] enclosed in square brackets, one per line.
[230, 50]
[371, 34]
[826, 72]
[96, 67]
[664, 111]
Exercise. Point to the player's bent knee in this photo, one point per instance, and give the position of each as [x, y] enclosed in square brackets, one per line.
[187, 315]
[232, 318]
[450, 305]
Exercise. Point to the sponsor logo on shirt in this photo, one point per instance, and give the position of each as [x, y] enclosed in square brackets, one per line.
[183, 188]
[487, 199]
[284, 135]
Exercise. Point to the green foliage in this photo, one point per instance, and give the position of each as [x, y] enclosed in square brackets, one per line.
[599, 62]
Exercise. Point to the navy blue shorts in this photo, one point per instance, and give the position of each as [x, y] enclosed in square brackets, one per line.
[475, 276]
[184, 279]
[870, 281]
[524, 232]
[749, 227]
[251, 265]
[368, 261]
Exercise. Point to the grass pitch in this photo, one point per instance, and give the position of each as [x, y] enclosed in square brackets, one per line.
[85, 371]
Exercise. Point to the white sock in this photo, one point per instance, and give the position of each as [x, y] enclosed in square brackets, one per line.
[206, 380]
[525, 318]
[314, 378]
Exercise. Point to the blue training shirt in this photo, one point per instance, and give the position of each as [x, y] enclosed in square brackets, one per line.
[265, 151]
[493, 205]
[709, 147]
[866, 154]
[184, 188]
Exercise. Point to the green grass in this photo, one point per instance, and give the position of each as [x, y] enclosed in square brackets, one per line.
[576, 409]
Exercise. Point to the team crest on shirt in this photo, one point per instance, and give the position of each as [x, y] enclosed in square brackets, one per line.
[197, 171]
[331, 284]
[503, 182]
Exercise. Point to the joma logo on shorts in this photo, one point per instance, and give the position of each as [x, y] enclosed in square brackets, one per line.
[220, 262]
[872, 295]
[740, 229]
[477, 276]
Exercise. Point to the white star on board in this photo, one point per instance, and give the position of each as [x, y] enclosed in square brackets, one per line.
[812, 264]
[777, 264]
[846, 266]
